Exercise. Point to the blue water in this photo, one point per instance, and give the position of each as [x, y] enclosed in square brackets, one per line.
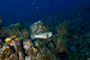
[23, 11]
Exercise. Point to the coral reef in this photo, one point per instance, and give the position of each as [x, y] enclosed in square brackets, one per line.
[39, 43]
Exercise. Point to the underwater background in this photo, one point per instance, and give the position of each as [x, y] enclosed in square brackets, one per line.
[44, 29]
[22, 11]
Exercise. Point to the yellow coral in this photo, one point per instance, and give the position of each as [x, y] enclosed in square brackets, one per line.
[12, 37]
[17, 39]
[8, 40]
